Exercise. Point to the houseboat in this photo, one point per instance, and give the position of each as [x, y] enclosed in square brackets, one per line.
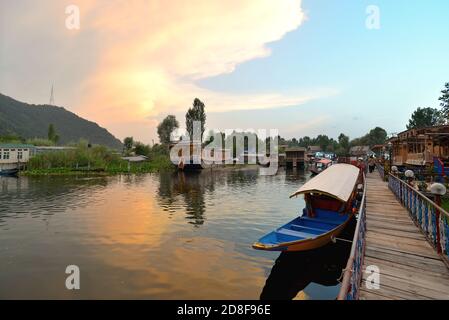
[190, 155]
[13, 157]
[319, 165]
[295, 157]
[312, 152]
[417, 149]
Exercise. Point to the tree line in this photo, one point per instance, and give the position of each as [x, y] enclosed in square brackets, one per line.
[342, 144]
[421, 117]
[428, 117]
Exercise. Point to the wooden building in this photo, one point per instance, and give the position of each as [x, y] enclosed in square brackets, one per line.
[13, 155]
[295, 157]
[311, 152]
[360, 151]
[379, 150]
[186, 154]
[417, 147]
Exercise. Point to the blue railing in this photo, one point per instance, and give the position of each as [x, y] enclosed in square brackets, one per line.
[381, 170]
[427, 215]
[352, 274]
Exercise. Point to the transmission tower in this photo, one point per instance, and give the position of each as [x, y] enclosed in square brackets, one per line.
[52, 97]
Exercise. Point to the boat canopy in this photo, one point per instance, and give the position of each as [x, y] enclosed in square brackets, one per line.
[337, 181]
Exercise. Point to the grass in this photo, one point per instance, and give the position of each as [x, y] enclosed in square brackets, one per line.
[96, 160]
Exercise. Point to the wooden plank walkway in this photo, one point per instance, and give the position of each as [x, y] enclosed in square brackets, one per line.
[409, 266]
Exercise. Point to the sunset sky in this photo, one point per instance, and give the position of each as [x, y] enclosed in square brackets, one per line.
[304, 67]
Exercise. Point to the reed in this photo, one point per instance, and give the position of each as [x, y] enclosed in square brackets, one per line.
[92, 160]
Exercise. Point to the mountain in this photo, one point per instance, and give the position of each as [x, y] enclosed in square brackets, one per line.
[31, 121]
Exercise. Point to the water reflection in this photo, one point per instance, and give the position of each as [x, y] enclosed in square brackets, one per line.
[191, 187]
[194, 187]
[45, 196]
[294, 271]
[295, 174]
[145, 236]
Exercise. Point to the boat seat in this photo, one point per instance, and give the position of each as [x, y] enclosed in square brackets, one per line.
[298, 234]
[309, 228]
[325, 221]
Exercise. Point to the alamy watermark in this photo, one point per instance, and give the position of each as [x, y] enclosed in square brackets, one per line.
[372, 281]
[72, 282]
[72, 21]
[372, 21]
[234, 146]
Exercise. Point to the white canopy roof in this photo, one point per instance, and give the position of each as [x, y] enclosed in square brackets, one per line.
[337, 181]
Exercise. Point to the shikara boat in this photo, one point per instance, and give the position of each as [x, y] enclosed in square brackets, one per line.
[331, 202]
[320, 165]
[9, 172]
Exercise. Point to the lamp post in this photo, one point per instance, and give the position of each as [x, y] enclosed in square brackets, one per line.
[409, 174]
[390, 153]
[438, 190]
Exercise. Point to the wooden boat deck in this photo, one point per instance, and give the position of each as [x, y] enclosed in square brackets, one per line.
[409, 267]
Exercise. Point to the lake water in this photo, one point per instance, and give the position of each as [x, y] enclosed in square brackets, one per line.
[157, 236]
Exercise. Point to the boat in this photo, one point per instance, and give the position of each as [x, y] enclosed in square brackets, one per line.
[332, 199]
[9, 172]
[320, 165]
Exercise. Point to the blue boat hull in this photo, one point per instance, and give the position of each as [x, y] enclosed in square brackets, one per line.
[305, 233]
[9, 172]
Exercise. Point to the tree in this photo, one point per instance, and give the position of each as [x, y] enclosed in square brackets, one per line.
[375, 136]
[425, 117]
[323, 141]
[445, 100]
[52, 136]
[128, 142]
[294, 142]
[142, 149]
[196, 113]
[305, 142]
[166, 128]
[343, 142]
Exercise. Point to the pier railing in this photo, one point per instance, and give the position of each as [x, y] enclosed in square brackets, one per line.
[381, 170]
[352, 274]
[432, 219]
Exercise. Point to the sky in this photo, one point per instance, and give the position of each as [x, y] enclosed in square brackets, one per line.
[303, 67]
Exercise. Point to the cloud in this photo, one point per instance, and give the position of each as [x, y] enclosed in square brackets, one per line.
[138, 60]
[309, 126]
[153, 53]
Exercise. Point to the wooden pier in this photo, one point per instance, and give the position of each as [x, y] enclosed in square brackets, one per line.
[409, 266]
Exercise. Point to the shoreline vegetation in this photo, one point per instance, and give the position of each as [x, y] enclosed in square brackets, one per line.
[94, 160]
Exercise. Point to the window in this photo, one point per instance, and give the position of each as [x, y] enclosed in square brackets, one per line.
[19, 155]
[6, 154]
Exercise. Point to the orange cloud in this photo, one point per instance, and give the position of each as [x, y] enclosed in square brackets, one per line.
[131, 62]
[152, 53]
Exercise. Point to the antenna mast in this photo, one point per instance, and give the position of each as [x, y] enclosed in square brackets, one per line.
[52, 97]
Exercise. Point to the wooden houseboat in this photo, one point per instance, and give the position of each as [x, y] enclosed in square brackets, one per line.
[295, 157]
[419, 147]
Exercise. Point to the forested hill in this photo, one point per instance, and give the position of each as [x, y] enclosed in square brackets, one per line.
[32, 121]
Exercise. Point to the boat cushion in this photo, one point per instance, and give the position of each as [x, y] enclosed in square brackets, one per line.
[300, 227]
[303, 235]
